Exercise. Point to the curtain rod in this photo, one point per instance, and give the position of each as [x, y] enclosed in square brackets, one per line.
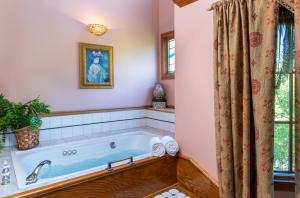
[284, 3]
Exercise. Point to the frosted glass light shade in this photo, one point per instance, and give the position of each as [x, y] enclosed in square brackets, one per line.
[97, 29]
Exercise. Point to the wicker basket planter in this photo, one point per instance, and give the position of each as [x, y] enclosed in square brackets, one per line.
[27, 138]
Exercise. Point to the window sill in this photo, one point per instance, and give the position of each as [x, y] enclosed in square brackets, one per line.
[168, 77]
[284, 177]
[284, 181]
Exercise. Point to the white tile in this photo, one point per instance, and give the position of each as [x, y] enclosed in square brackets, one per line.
[106, 116]
[45, 135]
[66, 132]
[96, 128]
[172, 128]
[118, 125]
[107, 126]
[114, 116]
[168, 117]
[55, 134]
[99, 117]
[55, 121]
[77, 131]
[113, 126]
[12, 139]
[123, 115]
[86, 118]
[160, 115]
[142, 113]
[67, 120]
[87, 130]
[94, 117]
[129, 114]
[130, 124]
[150, 114]
[147, 112]
[77, 119]
[125, 124]
[143, 122]
[45, 123]
[121, 125]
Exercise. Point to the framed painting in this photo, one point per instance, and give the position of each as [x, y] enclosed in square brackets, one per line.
[96, 66]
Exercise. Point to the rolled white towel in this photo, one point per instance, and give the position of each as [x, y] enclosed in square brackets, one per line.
[157, 147]
[171, 145]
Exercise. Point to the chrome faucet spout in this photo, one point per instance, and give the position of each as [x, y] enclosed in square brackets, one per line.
[33, 177]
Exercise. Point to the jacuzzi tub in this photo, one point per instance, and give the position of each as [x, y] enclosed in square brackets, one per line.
[73, 159]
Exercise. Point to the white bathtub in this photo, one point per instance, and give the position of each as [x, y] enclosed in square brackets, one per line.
[92, 154]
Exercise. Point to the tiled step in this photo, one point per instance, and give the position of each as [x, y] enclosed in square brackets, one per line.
[174, 191]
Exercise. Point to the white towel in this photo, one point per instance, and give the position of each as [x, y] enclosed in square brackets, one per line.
[171, 145]
[157, 147]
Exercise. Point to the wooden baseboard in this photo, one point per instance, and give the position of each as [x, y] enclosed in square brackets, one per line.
[195, 179]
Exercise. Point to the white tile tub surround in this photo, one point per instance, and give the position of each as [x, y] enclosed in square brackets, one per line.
[91, 118]
[86, 125]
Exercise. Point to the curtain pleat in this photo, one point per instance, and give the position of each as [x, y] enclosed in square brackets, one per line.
[244, 61]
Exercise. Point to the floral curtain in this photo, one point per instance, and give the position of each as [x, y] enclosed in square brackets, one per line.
[297, 81]
[244, 60]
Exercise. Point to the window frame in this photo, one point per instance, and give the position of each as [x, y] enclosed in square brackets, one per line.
[285, 180]
[290, 122]
[165, 37]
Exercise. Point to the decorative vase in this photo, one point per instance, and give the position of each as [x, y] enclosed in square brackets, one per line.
[159, 101]
[27, 138]
[158, 92]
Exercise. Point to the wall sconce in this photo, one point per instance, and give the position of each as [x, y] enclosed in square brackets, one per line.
[97, 29]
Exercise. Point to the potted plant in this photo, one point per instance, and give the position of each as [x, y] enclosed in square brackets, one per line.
[23, 120]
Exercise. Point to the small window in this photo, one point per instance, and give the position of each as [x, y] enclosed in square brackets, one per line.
[168, 55]
[284, 132]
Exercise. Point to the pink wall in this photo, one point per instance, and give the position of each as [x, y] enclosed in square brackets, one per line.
[194, 84]
[39, 50]
[166, 24]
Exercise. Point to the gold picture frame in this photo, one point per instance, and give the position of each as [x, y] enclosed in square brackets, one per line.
[96, 66]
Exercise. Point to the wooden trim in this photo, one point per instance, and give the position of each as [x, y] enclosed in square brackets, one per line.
[195, 179]
[286, 186]
[182, 3]
[202, 170]
[77, 182]
[171, 106]
[284, 177]
[64, 113]
[164, 55]
[284, 182]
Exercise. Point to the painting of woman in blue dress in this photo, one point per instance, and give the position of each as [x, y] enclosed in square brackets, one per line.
[96, 66]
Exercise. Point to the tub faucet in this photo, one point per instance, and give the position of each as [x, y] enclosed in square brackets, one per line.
[33, 177]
